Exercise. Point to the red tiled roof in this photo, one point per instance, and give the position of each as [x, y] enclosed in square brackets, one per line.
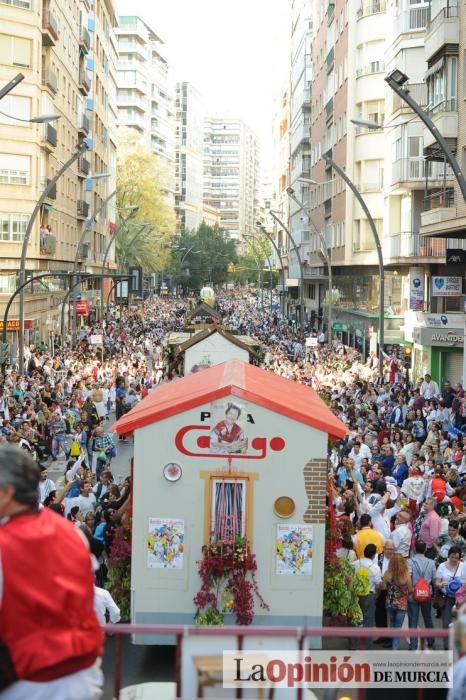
[237, 378]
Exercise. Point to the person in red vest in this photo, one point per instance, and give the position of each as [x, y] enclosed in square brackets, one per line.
[50, 639]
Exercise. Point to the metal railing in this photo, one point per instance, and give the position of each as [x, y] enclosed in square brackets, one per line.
[418, 91]
[48, 245]
[372, 7]
[84, 81]
[443, 106]
[443, 199]
[413, 20]
[84, 124]
[82, 208]
[50, 134]
[419, 169]
[44, 181]
[49, 79]
[371, 68]
[300, 634]
[409, 244]
[49, 23]
[445, 13]
[85, 39]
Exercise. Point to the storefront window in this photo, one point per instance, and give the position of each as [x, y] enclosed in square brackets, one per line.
[362, 293]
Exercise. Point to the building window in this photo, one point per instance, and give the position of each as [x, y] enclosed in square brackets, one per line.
[312, 291]
[15, 105]
[18, 3]
[15, 51]
[228, 514]
[13, 227]
[14, 170]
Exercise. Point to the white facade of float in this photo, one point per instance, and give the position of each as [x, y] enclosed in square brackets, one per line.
[212, 351]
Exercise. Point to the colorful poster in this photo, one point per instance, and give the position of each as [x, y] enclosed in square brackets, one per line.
[228, 434]
[416, 288]
[165, 543]
[294, 550]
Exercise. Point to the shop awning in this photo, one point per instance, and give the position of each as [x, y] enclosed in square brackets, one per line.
[438, 65]
[49, 207]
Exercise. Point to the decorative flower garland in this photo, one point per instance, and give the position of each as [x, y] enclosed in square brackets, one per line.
[226, 587]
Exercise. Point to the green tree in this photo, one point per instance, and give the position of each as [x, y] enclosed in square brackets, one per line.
[202, 257]
[142, 181]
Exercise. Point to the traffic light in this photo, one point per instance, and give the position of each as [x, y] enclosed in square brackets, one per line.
[408, 357]
[313, 317]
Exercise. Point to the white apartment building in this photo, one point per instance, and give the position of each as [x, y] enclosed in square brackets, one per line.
[53, 45]
[231, 174]
[189, 171]
[145, 94]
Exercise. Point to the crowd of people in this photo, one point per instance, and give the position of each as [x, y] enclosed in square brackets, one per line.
[397, 483]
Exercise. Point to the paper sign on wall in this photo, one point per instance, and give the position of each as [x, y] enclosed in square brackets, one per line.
[446, 286]
[294, 550]
[165, 543]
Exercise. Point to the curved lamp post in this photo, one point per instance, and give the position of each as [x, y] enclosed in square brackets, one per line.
[375, 235]
[326, 253]
[40, 119]
[258, 260]
[19, 290]
[80, 149]
[11, 85]
[133, 212]
[279, 257]
[298, 255]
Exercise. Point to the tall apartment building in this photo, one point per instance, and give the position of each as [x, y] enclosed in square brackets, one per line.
[145, 95]
[189, 157]
[49, 43]
[231, 174]
[300, 150]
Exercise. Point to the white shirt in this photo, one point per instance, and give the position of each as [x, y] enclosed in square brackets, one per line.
[375, 577]
[401, 537]
[385, 563]
[443, 572]
[103, 601]
[86, 504]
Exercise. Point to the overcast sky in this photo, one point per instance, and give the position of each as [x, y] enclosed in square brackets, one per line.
[235, 54]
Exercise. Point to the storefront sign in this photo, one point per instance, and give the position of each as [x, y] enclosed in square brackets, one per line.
[438, 337]
[436, 320]
[82, 307]
[13, 325]
[416, 288]
[456, 256]
[446, 286]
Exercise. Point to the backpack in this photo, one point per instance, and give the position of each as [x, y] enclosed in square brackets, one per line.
[439, 489]
[421, 591]
[362, 573]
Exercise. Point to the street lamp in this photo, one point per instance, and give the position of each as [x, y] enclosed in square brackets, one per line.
[273, 214]
[133, 211]
[40, 119]
[326, 251]
[79, 150]
[375, 235]
[279, 257]
[259, 265]
[396, 79]
[11, 85]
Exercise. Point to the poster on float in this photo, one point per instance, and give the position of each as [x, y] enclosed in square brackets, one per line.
[228, 433]
[165, 543]
[294, 550]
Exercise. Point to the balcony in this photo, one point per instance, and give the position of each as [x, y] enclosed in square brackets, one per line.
[371, 69]
[329, 110]
[48, 245]
[83, 251]
[440, 208]
[442, 30]
[49, 137]
[372, 7]
[83, 127]
[409, 244]
[49, 27]
[418, 170]
[49, 79]
[330, 58]
[418, 92]
[84, 40]
[43, 184]
[82, 209]
[83, 167]
[415, 19]
[445, 117]
[84, 82]
[327, 207]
